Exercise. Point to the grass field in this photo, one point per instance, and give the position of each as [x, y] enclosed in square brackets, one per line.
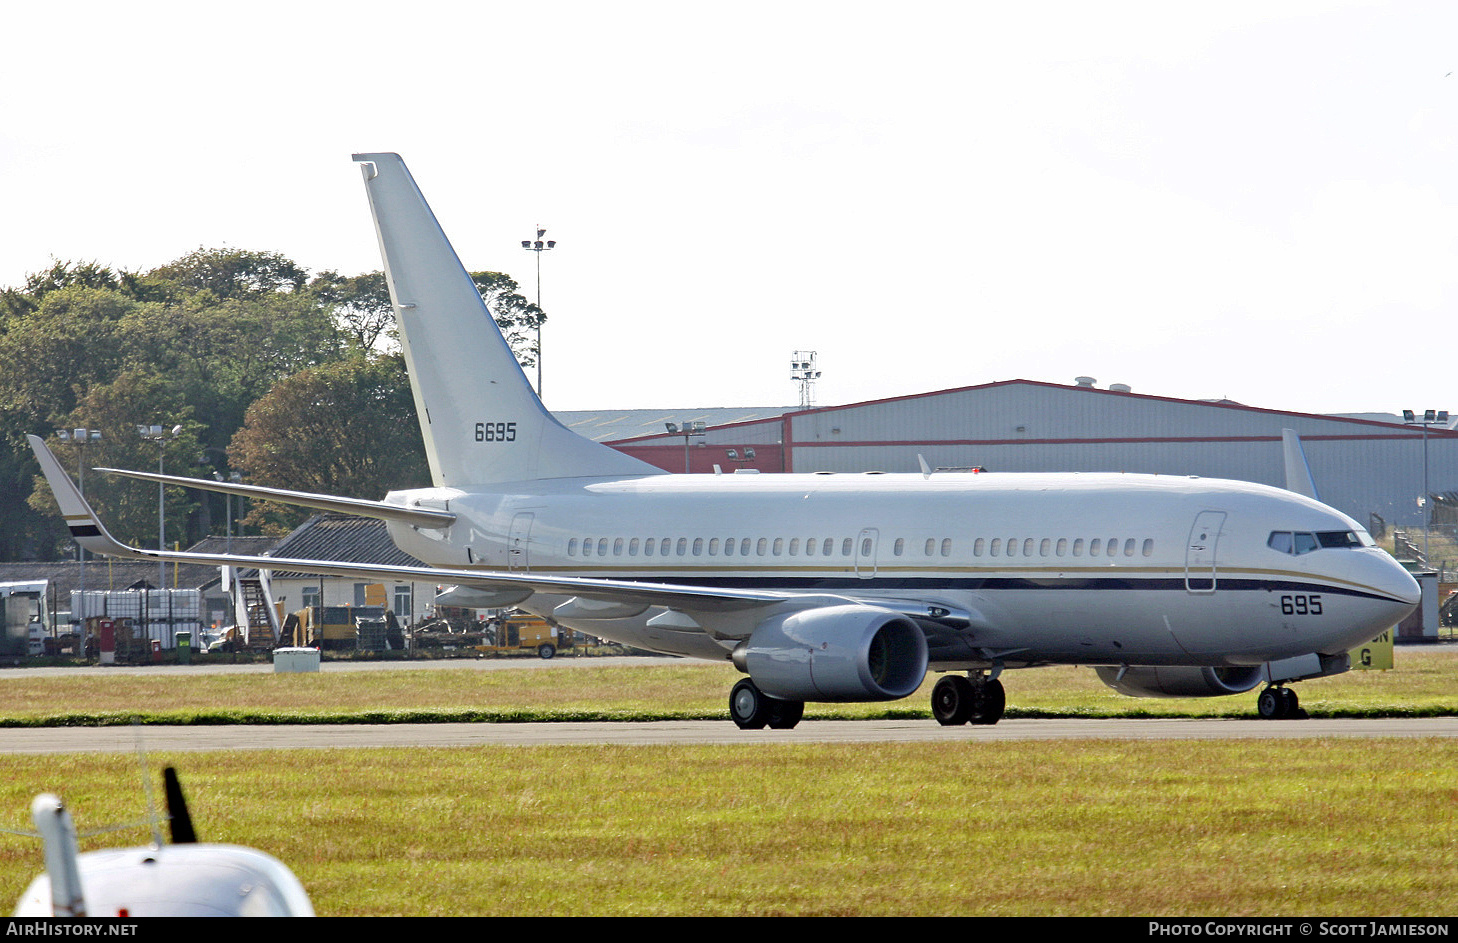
[1264, 828]
[1422, 684]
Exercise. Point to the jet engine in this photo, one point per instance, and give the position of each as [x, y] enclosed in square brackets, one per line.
[1180, 682]
[836, 653]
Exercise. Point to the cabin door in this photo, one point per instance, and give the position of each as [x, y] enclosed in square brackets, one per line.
[866, 553]
[1200, 565]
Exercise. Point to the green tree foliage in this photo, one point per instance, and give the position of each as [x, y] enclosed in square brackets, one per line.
[200, 342]
[346, 428]
[116, 409]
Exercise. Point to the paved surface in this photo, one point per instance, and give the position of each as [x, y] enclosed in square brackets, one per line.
[304, 737]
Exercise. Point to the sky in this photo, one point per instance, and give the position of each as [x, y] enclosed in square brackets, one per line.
[1249, 200]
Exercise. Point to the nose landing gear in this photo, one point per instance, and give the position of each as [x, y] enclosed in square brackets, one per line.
[1279, 703]
[752, 709]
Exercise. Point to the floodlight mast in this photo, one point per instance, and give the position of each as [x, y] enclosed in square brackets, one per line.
[539, 245]
[804, 371]
[1431, 417]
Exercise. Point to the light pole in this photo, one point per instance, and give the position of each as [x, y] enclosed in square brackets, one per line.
[688, 431]
[80, 438]
[161, 437]
[1430, 417]
[539, 246]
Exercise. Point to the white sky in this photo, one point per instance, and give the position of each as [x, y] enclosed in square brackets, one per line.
[1253, 200]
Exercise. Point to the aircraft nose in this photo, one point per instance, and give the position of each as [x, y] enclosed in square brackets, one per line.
[1396, 582]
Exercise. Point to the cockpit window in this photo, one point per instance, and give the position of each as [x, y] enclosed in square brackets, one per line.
[1299, 542]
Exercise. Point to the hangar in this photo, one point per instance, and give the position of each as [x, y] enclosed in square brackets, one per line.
[1369, 465]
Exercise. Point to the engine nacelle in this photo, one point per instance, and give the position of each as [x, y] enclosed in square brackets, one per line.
[1181, 682]
[836, 653]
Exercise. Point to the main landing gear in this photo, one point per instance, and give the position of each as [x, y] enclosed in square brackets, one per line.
[1279, 703]
[958, 699]
[752, 709]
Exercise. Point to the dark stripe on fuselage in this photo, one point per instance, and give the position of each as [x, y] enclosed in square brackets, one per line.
[924, 585]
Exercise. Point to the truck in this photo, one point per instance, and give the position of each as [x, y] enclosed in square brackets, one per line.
[342, 628]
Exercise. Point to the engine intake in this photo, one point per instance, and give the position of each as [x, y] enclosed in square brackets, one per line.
[1180, 682]
[836, 653]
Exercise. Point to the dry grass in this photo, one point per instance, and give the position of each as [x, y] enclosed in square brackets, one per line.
[1347, 828]
[1422, 684]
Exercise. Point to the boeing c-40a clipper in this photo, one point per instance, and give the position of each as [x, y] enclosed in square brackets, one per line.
[824, 587]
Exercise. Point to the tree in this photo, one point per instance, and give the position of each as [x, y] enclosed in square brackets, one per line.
[116, 409]
[227, 273]
[344, 428]
[517, 317]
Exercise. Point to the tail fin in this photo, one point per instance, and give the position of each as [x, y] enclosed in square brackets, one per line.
[481, 420]
[1298, 472]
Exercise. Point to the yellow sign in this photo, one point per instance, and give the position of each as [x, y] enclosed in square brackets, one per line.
[1376, 654]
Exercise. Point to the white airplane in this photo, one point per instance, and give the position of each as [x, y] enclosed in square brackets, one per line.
[831, 587]
[183, 879]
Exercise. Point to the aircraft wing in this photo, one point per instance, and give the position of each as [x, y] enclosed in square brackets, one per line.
[504, 589]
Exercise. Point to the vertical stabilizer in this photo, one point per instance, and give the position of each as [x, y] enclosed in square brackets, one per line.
[481, 420]
[1298, 472]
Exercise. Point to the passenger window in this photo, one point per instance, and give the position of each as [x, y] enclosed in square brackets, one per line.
[946, 546]
[1149, 546]
[698, 546]
[845, 547]
[648, 547]
[828, 548]
[810, 547]
[896, 547]
[794, 546]
[682, 544]
[1129, 547]
[978, 546]
[996, 547]
[1078, 546]
[1028, 547]
[1111, 547]
[1062, 546]
[744, 547]
[866, 547]
[713, 546]
[1012, 546]
[633, 547]
[1093, 547]
[779, 546]
[930, 546]
[572, 547]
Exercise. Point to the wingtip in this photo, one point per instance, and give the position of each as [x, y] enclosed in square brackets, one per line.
[83, 523]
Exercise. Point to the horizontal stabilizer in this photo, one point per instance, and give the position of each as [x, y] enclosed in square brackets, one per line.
[415, 517]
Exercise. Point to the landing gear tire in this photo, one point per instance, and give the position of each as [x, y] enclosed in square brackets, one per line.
[990, 704]
[960, 700]
[953, 700]
[748, 706]
[1279, 704]
[784, 715]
